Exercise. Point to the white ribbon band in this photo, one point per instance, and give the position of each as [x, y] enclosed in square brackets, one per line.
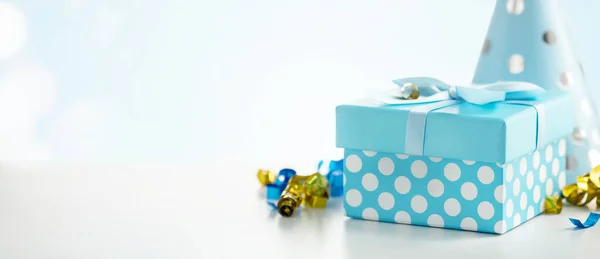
[417, 121]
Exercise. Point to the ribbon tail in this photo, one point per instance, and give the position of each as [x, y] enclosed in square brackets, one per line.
[589, 222]
[513, 86]
[516, 90]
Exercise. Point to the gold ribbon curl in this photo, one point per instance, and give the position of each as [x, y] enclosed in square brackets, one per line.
[579, 194]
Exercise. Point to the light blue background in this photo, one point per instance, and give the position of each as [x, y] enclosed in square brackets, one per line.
[252, 81]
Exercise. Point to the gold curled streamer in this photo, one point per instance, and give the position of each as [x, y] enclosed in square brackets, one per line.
[311, 190]
[581, 193]
[265, 177]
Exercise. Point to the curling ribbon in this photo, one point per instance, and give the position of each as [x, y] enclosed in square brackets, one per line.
[334, 176]
[589, 222]
[311, 190]
[286, 191]
[275, 185]
[581, 193]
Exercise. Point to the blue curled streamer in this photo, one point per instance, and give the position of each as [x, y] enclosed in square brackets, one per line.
[436, 94]
[334, 176]
[591, 220]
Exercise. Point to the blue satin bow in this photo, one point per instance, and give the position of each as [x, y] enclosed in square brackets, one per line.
[435, 94]
[433, 90]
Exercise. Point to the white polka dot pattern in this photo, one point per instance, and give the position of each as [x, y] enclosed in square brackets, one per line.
[469, 162]
[529, 180]
[452, 207]
[386, 166]
[555, 167]
[517, 220]
[435, 188]
[509, 208]
[523, 166]
[402, 217]
[536, 194]
[501, 59]
[536, 159]
[549, 153]
[402, 185]
[515, 7]
[485, 210]
[468, 224]
[452, 172]
[562, 180]
[435, 159]
[402, 156]
[353, 163]
[370, 214]
[369, 153]
[516, 187]
[450, 193]
[485, 174]
[468, 191]
[530, 213]
[562, 147]
[353, 198]
[528, 202]
[500, 227]
[435, 220]
[509, 172]
[418, 168]
[523, 200]
[543, 173]
[370, 182]
[516, 64]
[418, 204]
[499, 194]
[386, 201]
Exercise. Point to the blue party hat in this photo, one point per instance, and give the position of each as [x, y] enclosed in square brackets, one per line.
[526, 41]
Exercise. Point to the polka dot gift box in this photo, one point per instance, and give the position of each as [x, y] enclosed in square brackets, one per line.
[453, 163]
[526, 41]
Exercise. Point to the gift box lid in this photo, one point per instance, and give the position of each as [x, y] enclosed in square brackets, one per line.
[496, 132]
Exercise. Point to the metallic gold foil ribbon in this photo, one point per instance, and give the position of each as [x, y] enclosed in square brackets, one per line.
[275, 185]
[311, 190]
[581, 193]
[287, 191]
[265, 177]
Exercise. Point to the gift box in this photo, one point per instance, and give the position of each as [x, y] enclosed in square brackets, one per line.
[453, 164]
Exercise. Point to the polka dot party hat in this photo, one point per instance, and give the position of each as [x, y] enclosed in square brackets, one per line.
[526, 41]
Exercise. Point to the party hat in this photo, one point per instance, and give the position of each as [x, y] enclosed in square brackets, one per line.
[526, 41]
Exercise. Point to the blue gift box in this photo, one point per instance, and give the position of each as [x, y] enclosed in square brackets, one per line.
[483, 168]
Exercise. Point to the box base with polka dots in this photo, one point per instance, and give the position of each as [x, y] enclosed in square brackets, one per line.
[449, 193]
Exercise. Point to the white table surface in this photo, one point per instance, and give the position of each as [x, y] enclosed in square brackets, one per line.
[178, 211]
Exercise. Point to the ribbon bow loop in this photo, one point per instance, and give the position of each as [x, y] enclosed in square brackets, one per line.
[434, 90]
[434, 94]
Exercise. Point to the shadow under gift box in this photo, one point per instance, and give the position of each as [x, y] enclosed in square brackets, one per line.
[480, 169]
